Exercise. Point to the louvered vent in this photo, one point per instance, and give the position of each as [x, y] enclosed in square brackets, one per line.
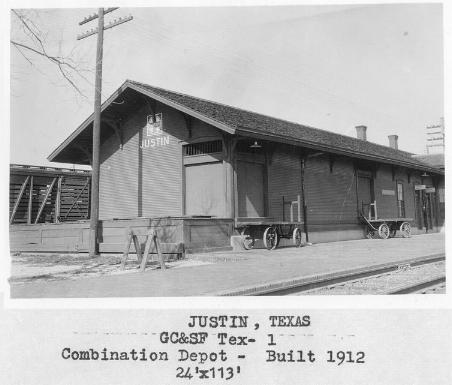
[203, 148]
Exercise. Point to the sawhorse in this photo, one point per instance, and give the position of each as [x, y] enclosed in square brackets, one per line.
[151, 238]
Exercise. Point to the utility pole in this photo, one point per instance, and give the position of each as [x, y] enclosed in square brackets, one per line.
[435, 136]
[94, 215]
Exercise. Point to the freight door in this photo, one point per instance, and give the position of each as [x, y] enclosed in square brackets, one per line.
[250, 186]
[365, 195]
[204, 189]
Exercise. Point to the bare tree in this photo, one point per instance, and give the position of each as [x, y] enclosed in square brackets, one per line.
[30, 41]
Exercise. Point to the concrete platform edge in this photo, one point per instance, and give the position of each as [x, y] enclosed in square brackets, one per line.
[267, 288]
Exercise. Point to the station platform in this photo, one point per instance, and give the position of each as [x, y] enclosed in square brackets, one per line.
[231, 273]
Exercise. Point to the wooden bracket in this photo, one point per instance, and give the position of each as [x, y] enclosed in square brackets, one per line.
[375, 168]
[234, 142]
[331, 160]
[151, 105]
[115, 125]
[269, 154]
[188, 123]
[87, 153]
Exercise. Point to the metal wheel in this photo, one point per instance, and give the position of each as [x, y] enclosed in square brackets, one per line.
[405, 230]
[383, 231]
[247, 239]
[270, 238]
[298, 237]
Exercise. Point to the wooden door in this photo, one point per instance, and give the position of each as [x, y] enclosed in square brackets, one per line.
[204, 189]
[365, 195]
[250, 186]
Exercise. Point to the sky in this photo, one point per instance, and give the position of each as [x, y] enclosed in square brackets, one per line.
[331, 67]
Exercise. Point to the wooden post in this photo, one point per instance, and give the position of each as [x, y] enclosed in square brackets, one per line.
[125, 255]
[19, 197]
[303, 197]
[94, 218]
[152, 238]
[137, 244]
[159, 251]
[30, 201]
[58, 200]
[299, 207]
[147, 248]
[41, 208]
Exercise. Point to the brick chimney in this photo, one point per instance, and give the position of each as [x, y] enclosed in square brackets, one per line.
[393, 141]
[361, 132]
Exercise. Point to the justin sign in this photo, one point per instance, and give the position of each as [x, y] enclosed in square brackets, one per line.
[154, 135]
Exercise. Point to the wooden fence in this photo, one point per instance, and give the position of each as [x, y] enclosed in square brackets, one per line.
[48, 195]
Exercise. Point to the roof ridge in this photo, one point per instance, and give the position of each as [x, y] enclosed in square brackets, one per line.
[268, 116]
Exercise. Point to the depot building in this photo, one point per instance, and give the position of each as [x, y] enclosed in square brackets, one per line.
[195, 168]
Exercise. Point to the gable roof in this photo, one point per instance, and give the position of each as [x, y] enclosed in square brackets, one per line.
[237, 121]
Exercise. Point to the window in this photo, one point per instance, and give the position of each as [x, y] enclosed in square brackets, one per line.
[400, 200]
[203, 148]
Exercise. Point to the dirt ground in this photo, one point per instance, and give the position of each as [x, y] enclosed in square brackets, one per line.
[26, 268]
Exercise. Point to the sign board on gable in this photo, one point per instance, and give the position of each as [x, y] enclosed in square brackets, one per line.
[420, 187]
[155, 137]
[430, 190]
[387, 192]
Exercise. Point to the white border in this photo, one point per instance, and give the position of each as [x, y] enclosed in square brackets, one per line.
[312, 302]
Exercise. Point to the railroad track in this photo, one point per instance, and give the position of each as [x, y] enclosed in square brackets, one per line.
[421, 275]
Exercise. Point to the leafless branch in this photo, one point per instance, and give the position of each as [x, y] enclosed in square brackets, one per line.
[67, 67]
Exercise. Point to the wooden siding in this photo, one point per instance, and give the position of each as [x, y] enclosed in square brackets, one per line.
[148, 181]
[50, 237]
[161, 176]
[284, 179]
[330, 194]
[119, 172]
[196, 234]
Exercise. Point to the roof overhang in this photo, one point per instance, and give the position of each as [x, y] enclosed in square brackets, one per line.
[330, 149]
[71, 140]
[74, 140]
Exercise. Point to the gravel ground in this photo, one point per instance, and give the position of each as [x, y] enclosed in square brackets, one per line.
[382, 282]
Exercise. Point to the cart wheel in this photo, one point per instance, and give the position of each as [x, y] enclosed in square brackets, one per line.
[271, 238]
[298, 238]
[383, 231]
[405, 230]
[247, 239]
